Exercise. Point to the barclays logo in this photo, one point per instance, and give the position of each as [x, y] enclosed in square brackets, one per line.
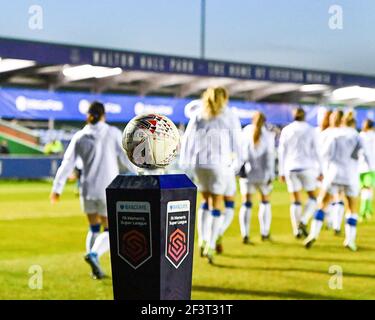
[24, 104]
[179, 207]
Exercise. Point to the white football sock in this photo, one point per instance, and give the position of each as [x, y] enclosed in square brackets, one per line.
[309, 211]
[295, 216]
[351, 228]
[330, 214]
[316, 224]
[265, 217]
[338, 215]
[215, 223]
[101, 244]
[226, 220]
[90, 240]
[245, 218]
[203, 215]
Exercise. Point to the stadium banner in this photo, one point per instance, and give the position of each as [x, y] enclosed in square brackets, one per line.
[50, 53]
[72, 106]
[12, 167]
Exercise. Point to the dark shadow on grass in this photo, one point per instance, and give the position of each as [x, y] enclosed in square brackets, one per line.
[273, 269]
[345, 274]
[291, 294]
[305, 258]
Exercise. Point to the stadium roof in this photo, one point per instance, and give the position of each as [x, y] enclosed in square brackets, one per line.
[56, 66]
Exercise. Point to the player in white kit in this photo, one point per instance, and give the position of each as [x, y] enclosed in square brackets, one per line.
[259, 155]
[210, 146]
[300, 168]
[322, 134]
[367, 170]
[341, 152]
[98, 146]
[336, 208]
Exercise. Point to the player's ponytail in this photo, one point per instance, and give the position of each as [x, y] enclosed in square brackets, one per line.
[258, 121]
[95, 113]
[368, 125]
[336, 118]
[214, 101]
[349, 119]
[324, 124]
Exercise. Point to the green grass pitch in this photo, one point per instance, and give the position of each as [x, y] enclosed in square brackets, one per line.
[33, 232]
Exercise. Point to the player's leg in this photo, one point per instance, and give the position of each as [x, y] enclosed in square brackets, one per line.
[308, 212]
[366, 180]
[265, 212]
[294, 185]
[101, 243]
[245, 209]
[203, 214]
[203, 218]
[226, 220]
[214, 225]
[94, 230]
[351, 219]
[309, 183]
[228, 214]
[329, 219]
[317, 223]
[338, 212]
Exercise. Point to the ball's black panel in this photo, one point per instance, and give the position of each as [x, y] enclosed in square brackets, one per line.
[151, 225]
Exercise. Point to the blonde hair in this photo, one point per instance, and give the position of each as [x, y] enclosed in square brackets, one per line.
[258, 121]
[325, 120]
[349, 119]
[214, 100]
[335, 118]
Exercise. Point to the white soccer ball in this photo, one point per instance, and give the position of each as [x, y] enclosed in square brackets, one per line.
[151, 141]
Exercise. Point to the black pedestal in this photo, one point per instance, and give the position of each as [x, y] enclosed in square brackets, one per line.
[151, 226]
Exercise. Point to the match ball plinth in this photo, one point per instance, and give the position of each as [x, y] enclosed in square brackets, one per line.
[151, 226]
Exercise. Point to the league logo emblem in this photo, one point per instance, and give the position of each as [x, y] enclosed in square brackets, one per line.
[177, 232]
[134, 232]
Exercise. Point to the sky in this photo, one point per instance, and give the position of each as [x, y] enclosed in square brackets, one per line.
[292, 33]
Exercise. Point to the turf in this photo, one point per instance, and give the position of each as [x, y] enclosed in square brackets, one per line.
[33, 232]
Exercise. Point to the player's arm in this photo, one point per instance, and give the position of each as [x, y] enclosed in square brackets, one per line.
[281, 155]
[270, 156]
[362, 151]
[317, 154]
[65, 169]
[188, 144]
[239, 154]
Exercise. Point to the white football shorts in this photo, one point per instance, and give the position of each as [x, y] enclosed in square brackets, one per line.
[249, 187]
[301, 180]
[216, 181]
[351, 190]
[94, 206]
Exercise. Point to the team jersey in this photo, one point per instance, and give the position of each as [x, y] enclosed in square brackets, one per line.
[298, 148]
[213, 143]
[260, 157]
[341, 152]
[322, 136]
[99, 148]
[368, 139]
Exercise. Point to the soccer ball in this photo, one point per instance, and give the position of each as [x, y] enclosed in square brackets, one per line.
[151, 141]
